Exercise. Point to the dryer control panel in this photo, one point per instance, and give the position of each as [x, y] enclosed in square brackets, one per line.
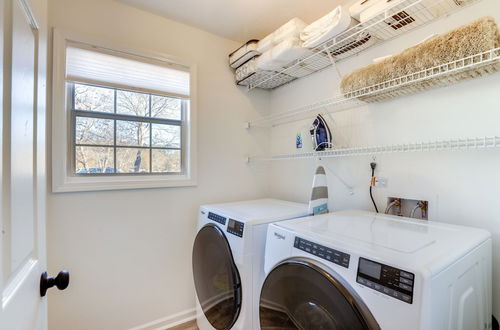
[388, 280]
[332, 255]
[217, 218]
[235, 227]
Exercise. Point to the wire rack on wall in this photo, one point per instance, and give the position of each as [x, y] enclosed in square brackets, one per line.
[442, 75]
[468, 143]
[407, 15]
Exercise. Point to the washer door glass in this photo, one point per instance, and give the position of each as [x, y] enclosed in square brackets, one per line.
[299, 294]
[216, 278]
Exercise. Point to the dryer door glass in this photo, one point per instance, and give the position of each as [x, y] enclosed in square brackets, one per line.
[298, 294]
[216, 278]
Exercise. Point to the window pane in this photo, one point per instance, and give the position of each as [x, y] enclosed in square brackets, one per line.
[131, 103]
[166, 136]
[166, 107]
[94, 160]
[132, 160]
[93, 98]
[132, 133]
[166, 160]
[93, 131]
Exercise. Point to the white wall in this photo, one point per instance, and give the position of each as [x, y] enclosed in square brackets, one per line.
[462, 187]
[129, 252]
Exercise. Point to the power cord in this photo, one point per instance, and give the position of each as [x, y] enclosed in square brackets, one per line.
[373, 166]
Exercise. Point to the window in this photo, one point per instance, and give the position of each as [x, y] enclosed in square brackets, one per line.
[130, 119]
[117, 131]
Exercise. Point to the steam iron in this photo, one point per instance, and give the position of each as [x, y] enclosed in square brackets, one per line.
[320, 134]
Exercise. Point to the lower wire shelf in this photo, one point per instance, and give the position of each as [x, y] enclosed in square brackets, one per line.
[468, 143]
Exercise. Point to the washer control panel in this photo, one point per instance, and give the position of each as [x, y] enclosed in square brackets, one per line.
[235, 227]
[337, 257]
[388, 280]
[217, 218]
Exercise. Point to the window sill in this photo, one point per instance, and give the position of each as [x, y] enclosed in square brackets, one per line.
[99, 183]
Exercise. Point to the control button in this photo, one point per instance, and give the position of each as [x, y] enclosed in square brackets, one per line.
[378, 287]
[370, 284]
[361, 281]
[406, 298]
[396, 294]
[387, 291]
[404, 286]
[405, 281]
[405, 274]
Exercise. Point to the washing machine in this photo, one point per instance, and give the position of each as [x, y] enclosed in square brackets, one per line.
[361, 270]
[228, 260]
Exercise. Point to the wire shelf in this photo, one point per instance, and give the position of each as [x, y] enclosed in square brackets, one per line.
[442, 75]
[407, 15]
[469, 143]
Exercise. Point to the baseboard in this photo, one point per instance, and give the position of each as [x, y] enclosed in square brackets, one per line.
[168, 321]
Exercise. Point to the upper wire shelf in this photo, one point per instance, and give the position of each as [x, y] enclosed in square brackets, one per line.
[468, 143]
[442, 75]
[406, 16]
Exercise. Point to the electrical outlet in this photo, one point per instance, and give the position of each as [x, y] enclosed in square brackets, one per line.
[380, 182]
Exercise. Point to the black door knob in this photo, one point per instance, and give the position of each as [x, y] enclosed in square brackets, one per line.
[61, 281]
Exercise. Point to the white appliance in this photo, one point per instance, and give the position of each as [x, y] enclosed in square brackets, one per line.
[228, 260]
[361, 270]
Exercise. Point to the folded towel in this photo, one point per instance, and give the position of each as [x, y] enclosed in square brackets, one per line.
[327, 27]
[292, 28]
[265, 44]
[360, 6]
[265, 62]
[289, 50]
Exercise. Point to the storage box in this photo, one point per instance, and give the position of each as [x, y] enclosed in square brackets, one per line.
[243, 54]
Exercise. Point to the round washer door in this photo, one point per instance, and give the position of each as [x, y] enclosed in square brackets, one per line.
[299, 294]
[216, 278]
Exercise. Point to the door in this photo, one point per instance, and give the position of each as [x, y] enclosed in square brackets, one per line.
[22, 169]
[300, 294]
[216, 278]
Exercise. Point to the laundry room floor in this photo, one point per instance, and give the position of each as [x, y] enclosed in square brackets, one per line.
[186, 326]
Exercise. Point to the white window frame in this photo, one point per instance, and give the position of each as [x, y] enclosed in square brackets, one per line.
[63, 177]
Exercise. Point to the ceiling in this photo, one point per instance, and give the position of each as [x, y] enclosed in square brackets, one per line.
[238, 20]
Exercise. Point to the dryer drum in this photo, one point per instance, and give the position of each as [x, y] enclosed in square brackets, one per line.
[300, 294]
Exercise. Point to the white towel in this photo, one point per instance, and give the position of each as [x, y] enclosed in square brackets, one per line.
[360, 6]
[327, 27]
[289, 50]
[292, 28]
[265, 44]
[265, 62]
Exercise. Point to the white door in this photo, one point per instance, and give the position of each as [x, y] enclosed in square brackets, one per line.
[22, 194]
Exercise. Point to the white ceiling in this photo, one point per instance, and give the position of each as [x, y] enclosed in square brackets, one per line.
[238, 20]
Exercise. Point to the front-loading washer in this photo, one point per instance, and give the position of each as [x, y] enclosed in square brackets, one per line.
[228, 260]
[361, 270]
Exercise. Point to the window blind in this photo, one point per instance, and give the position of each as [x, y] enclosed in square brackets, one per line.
[106, 68]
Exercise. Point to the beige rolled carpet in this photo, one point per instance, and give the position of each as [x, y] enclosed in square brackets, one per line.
[474, 38]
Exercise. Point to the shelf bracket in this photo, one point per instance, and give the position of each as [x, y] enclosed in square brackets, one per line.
[332, 61]
[349, 187]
